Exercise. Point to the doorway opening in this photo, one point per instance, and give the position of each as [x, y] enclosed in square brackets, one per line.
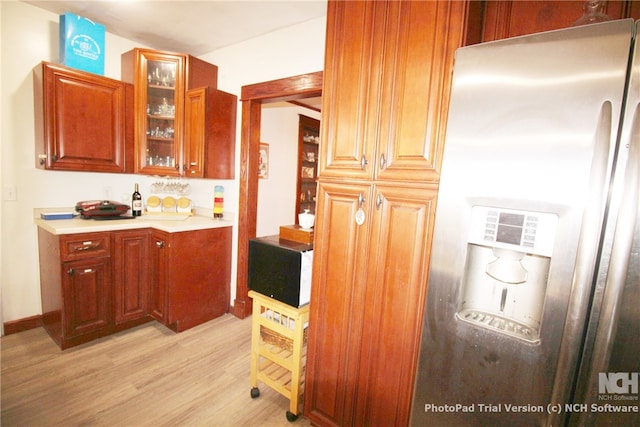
[290, 89]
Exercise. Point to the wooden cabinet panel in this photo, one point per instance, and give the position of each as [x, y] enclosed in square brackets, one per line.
[503, 19]
[416, 79]
[396, 290]
[350, 85]
[210, 124]
[158, 280]
[86, 286]
[194, 136]
[82, 120]
[130, 275]
[198, 274]
[337, 304]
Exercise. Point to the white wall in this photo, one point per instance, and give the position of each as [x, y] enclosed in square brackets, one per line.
[29, 35]
[277, 194]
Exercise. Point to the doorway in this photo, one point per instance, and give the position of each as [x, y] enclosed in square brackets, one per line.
[296, 88]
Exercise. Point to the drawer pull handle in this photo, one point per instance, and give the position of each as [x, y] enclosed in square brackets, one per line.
[86, 247]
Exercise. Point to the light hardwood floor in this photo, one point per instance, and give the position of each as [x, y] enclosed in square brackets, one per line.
[146, 376]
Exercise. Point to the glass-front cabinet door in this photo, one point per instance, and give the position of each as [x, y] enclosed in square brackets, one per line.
[159, 104]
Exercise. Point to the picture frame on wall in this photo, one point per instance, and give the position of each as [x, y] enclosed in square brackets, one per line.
[263, 165]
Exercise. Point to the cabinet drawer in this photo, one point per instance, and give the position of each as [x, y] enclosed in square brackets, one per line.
[82, 246]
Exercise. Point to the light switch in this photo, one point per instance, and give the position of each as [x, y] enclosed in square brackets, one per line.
[9, 193]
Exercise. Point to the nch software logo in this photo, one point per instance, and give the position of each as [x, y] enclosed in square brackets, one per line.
[618, 382]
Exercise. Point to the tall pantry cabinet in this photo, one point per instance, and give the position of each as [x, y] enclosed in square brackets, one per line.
[386, 90]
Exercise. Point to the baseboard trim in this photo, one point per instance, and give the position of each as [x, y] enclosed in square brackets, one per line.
[20, 325]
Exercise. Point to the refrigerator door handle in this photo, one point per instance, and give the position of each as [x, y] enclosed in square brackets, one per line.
[587, 253]
[618, 265]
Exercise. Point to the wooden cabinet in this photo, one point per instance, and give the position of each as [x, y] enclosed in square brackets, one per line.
[95, 284]
[83, 121]
[308, 139]
[386, 89]
[190, 277]
[85, 286]
[75, 276]
[130, 276]
[173, 127]
[396, 102]
[210, 117]
[503, 19]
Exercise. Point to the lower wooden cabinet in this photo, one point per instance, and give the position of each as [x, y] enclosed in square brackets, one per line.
[369, 285]
[190, 274]
[75, 282]
[85, 286]
[95, 284]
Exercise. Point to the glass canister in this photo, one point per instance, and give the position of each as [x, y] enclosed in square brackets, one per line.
[218, 201]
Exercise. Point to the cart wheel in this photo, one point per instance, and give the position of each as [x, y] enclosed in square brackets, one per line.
[291, 417]
[255, 392]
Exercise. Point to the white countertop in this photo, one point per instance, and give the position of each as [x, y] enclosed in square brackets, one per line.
[79, 225]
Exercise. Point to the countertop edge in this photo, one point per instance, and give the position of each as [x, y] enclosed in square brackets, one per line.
[79, 225]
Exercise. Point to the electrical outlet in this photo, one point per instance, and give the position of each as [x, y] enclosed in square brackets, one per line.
[9, 193]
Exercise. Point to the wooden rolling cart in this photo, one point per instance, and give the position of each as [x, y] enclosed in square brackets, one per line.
[278, 349]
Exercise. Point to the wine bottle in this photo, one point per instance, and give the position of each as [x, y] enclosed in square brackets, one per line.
[136, 202]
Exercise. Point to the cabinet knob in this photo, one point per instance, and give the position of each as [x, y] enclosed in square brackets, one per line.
[383, 161]
[160, 244]
[363, 162]
[361, 200]
[378, 201]
[70, 272]
[42, 158]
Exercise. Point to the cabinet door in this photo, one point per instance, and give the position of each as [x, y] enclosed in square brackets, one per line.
[131, 275]
[81, 120]
[386, 88]
[158, 280]
[396, 288]
[159, 109]
[420, 39]
[86, 286]
[195, 132]
[335, 337]
[198, 275]
[220, 136]
[350, 94]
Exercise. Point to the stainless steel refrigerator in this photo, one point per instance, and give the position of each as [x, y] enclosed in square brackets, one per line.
[532, 314]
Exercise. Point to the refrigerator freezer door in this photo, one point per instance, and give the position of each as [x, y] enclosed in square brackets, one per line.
[532, 127]
[612, 341]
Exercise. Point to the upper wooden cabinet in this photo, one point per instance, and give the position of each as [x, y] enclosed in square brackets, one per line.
[392, 93]
[503, 19]
[83, 121]
[172, 124]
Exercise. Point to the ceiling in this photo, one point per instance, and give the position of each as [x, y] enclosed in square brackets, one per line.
[194, 27]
